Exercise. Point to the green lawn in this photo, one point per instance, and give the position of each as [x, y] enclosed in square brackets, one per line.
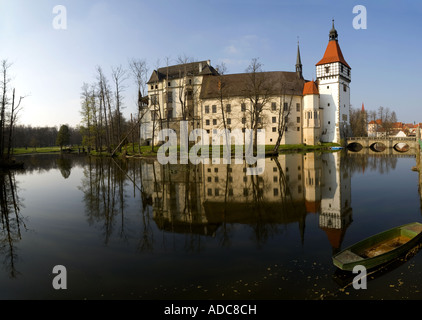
[146, 151]
[17, 151]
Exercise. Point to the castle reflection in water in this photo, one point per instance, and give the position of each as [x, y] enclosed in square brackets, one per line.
[202, 198]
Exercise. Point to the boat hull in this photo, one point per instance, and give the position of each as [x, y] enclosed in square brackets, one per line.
[380, 248]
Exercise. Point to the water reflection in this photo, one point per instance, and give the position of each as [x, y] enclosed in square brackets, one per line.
[208, 199]
[213, 217]
[11, 222]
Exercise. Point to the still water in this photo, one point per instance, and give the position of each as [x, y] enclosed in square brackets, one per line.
[135, 229]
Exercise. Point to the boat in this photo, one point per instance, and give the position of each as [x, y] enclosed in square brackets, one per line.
[336, 148]
[380, 248]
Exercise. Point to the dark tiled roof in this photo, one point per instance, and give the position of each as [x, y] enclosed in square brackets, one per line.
[181, 70]
[236, 85]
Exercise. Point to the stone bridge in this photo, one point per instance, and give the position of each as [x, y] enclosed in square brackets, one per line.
[400, 144]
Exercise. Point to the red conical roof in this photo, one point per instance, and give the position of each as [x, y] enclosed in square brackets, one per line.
[333, 54]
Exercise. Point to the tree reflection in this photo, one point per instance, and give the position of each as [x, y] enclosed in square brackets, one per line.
[65, 166]
[11, 221]
[103, 188]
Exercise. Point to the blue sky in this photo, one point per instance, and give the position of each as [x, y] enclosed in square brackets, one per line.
[50, 65]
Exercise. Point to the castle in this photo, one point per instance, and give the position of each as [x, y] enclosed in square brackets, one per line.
[289, 108]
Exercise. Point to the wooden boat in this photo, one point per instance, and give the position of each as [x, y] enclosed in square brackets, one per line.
[380, 248]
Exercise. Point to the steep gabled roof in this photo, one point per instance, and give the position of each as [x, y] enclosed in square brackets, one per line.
[182, 70]
[236, 85]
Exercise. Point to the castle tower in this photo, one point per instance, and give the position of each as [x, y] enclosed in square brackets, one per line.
[333, 77]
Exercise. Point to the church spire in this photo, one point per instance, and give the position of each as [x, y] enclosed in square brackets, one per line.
[298, 63]
[333, 33]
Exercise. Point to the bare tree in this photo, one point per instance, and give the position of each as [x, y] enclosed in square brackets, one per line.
[5, 81]
[284, 111]
[140, 71]
[223, 87]
[119, 75]
[257, 92]
[103, 94]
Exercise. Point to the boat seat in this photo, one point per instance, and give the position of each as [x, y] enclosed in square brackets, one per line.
[349, 256]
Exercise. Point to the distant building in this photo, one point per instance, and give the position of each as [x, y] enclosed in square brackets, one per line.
[312, 111]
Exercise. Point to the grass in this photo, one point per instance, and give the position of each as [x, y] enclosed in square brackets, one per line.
[146, 151]
[18, 151]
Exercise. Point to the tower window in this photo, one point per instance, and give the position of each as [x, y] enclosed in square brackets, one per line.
[327, 69]
[344, 88]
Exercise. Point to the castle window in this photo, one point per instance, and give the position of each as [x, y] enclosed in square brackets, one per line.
[229, 121]
[344, 88]
[214, 109]
[273, 106]
[327, 69]
[207, 122]
[274, 119]
[214, 122]
[207, 109]
[298, 119]
[243, 107]
[243, 120]
[341, 67]
[228, 108]
[298, 107]
[286, 106]
[298, 128]
[274, 129]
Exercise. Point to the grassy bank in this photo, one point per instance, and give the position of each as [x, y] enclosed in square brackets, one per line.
[146, 151]
[20, 151]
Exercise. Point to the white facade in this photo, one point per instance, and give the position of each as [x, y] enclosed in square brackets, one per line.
[334, 90]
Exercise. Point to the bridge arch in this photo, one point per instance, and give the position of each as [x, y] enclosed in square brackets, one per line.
[354, 147]
[401, 147]
[377, 146]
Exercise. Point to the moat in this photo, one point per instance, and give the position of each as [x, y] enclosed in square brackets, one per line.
[135, 229]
